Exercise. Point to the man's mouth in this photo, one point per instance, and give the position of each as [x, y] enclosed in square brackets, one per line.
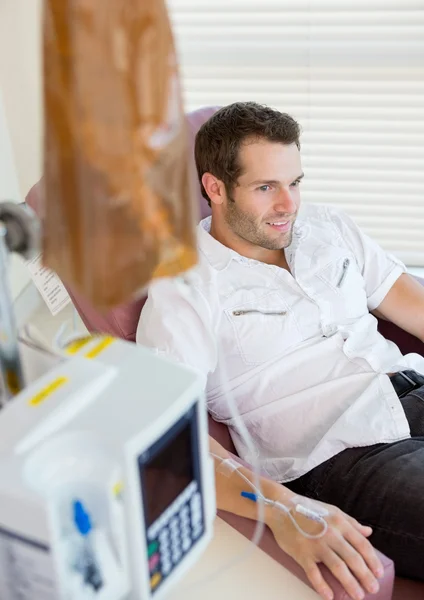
[281, 226]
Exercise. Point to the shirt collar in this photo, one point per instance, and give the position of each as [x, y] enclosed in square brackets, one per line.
[219, 256]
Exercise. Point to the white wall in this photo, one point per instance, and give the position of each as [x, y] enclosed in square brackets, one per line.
[20, 109]
[20, 87]
[9, 186]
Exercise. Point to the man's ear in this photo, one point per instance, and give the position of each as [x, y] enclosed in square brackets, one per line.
[214, 187]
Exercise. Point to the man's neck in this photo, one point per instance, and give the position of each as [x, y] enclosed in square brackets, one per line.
[245, 248]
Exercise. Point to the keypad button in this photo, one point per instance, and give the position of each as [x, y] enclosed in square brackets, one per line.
[153, 547]
[186, 544]
[164, 534]
[155, 580]
[165, 544]
[185, 511]
[153, 562]
[175, 536]
[197, 532]
[196, 517]
[185, 530]
[174, 524]
[176, 557]
[196, 508]
[196, 500]
[185, 521]
[166, 567]
[165, 549]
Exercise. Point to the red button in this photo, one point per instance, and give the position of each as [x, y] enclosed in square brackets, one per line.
[153, 562]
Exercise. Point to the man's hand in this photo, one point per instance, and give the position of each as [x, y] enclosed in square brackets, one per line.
[344, 549]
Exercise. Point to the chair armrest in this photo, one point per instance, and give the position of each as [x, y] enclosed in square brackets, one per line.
[269, 545]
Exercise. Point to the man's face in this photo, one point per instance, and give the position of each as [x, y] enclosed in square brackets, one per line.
[263, 205]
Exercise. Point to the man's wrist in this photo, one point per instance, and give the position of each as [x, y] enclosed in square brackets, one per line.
[278, 493]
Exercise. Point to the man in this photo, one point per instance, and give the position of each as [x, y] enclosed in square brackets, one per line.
[280, 313]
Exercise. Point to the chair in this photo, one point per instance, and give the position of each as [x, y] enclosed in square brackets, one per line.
[122, 322]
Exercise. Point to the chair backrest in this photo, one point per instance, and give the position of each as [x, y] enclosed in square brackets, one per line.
[122, 321]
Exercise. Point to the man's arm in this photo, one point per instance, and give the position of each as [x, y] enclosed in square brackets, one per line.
[404, 306]
[344, 548]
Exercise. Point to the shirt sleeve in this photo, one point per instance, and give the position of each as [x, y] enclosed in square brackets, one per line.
[379, 268]
[176, 322]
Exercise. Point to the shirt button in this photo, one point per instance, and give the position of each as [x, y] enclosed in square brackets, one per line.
[329, 330]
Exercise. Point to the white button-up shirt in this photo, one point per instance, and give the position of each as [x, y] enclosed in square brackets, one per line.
[299, 352]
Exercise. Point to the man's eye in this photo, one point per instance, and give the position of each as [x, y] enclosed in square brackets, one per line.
[264, 188]
[295, 183]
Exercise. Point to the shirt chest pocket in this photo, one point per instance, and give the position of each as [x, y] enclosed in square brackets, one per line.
[264, 328]
[343, 288]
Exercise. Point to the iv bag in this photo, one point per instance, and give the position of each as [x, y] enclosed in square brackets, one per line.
[119, 190]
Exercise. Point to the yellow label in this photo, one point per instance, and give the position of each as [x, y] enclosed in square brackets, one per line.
[117, 488]
[105, 343]
[76, 346]
[48, 391]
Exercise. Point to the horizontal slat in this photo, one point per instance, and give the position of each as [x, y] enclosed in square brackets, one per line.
[307, 72]
[368, 205]
[398, 126]
[350, 175]
[411, 259]
[348, 150]
[346, 111]
[240, 30]
[241, 6]
[362, 137]
[392, 231]
[282, 93]
[388, 236]
[385, 225]
[277, 53]
[284, 18]
[230, 45]
[350, 71]
[406, 164]
[410, 192]
[276, 81]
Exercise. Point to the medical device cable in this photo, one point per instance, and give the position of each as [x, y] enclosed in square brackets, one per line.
[186, 288]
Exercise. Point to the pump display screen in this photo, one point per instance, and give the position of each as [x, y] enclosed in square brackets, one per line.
[167, 473]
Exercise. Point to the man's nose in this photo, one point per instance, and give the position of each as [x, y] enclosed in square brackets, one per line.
[285, 203]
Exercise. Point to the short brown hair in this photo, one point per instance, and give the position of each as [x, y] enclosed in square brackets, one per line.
[218, 141]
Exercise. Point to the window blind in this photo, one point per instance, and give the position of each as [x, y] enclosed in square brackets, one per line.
[350, 71]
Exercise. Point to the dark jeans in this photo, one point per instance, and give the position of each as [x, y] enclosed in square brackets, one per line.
[381, 486]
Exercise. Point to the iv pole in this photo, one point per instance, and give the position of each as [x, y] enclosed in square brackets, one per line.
[18, 233]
